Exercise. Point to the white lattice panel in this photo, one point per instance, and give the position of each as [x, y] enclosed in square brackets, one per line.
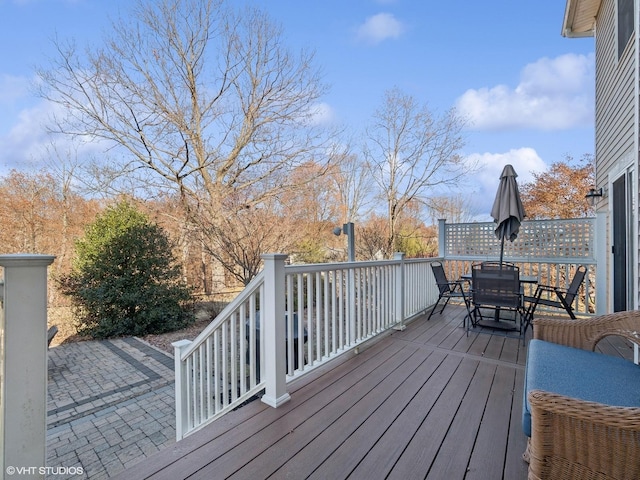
[539, 239]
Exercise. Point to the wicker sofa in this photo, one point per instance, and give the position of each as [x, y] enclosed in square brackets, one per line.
[581, 408]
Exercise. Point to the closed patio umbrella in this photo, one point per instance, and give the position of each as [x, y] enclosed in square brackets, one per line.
[507, 210]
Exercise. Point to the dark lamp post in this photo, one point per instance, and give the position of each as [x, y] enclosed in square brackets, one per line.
[348, 230]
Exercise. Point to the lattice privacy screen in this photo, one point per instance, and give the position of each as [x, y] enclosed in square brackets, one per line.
[538, 239]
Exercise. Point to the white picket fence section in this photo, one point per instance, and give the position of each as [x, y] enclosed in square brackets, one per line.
[333, 308]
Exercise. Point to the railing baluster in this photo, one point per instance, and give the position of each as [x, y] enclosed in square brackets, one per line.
[190, 393]
[209, 372]
[233, 358]
[194, 387]
[261, 332]
[302, 321]
[253, 364]
[310, 325]
[357, 298]
[316, 305]
[242, 345]
[290, 326]
[201, 383]
[216, 369]
[325, 314]
[341, 307]
[225, 365]
[334, 299]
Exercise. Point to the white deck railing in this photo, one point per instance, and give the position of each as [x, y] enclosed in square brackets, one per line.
[314, 313]
[333, 308]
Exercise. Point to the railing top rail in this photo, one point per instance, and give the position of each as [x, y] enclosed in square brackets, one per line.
[325, 267]
[423, 259]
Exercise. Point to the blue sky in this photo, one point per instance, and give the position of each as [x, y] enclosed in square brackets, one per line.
[528, 91]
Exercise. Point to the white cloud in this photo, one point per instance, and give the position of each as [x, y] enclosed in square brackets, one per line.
[322, 114]
[26, 144]
[26, 141]
[489, 167]
[380, 27]
[553, 94]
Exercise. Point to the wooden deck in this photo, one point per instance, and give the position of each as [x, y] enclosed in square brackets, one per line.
[426, 402]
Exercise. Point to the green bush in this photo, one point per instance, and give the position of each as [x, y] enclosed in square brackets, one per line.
[125, 280]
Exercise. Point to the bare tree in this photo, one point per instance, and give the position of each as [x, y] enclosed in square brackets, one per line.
[455, 209]
[314, 205]
[371, 237]
[62, 165]
[353, 184]
[411, 153]
[198, 99]
[241, 236]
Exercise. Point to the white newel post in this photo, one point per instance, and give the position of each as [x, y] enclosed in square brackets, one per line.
[182, 388]
[442, 237]
[23, 353]
[399, 291]
[272, 319]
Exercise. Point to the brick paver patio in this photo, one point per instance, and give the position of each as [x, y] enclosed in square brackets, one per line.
[110, 404]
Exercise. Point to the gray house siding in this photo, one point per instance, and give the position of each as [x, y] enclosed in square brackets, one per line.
[616, 132]
[615, 97]
[617, 138]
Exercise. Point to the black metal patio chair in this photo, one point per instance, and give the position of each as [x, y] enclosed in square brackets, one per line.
[497, 290]
[446, 288]
[556, 297]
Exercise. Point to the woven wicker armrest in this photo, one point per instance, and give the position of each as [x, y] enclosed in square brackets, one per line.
[577, 439]
[585, 333]
[631, 335]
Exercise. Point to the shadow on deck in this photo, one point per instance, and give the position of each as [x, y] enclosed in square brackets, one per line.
[426, 402]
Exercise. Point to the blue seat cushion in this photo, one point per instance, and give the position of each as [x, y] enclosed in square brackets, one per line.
[580, 374]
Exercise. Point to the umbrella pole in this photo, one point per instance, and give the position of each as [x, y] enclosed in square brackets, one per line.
[497, 312]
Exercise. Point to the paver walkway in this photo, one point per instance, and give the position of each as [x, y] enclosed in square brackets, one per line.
[110, 404]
